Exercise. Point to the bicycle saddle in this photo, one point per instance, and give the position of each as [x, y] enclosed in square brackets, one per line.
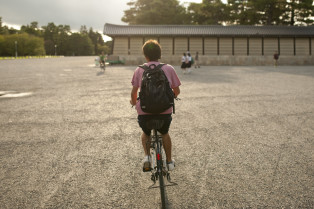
[155, 124]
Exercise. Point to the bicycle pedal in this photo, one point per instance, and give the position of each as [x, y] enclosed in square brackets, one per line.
[147, 167]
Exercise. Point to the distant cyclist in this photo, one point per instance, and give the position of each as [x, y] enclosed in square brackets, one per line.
[152, 53]
[102, 59]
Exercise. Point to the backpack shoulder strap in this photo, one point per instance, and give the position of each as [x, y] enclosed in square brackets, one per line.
[160, 65]
[145, 67]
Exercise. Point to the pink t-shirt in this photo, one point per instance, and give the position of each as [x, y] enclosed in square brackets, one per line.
[169, 72]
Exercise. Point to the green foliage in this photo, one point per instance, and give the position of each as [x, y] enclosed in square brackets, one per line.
[104, 48]
[268, 11]
[4, 30]
[80, 45]
[98, 42]
[50, 39]
[252, 12]
[56, 38]
[31, 29]
[298, 12]
[210, 12]
[241, 12]
[26, 45]
[2, 40]
[157, 12]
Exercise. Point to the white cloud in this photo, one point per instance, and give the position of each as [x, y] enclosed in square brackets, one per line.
[92, 13]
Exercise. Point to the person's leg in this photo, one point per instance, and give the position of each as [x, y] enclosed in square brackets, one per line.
[146, 140]
[166, 140]
[147, 159]
[145, 137]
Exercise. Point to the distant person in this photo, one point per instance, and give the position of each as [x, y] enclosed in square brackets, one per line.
[276, 57]
[102, 58]
[196, 64]
[189, 62]
[97, 61]
[183, 64]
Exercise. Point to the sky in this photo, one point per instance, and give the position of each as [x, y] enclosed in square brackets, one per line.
[92, 13]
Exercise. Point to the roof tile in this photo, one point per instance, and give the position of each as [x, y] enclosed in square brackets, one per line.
[207, 30]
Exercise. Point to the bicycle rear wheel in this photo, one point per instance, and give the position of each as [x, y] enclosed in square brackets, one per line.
[161, 177]
[162, 189]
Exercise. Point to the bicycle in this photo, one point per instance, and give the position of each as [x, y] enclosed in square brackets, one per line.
[158, 167]
[103, 66]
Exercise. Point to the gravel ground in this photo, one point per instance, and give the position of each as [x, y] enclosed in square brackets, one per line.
[242, 137]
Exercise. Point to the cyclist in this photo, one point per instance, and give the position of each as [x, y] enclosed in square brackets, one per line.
[152, 53]
[102, 58]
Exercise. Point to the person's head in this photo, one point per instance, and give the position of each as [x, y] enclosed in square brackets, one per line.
[189, 54]
[184, 54]
[152, 50]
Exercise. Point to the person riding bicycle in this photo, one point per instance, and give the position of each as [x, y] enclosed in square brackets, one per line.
[152, 53]
[102, 58]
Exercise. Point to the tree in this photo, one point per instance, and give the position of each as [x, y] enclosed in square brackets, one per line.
[61, 38]
[298, 12]
[4, 30]
[212, 12]
[271, 12]
[156, 12]
[27, 45]
[268, 11]
[31, 29]
[80, 45]
[241, 12]
[2, 41]
[56, 37]
[98, 42]
[83, 29]
[104, 48]
[1, 28]
[51, 39]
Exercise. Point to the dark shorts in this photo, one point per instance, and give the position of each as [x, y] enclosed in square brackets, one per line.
[188, 65]
[142, 120]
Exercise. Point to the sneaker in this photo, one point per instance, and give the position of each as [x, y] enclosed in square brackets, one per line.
[171, 165]
[147, 162]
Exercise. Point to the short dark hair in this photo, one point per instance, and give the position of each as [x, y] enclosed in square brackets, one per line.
[152, 50]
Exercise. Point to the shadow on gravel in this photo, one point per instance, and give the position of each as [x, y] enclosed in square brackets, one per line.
[208, 77]
[99, 73]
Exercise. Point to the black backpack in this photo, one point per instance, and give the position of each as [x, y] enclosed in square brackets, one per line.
[156, 96]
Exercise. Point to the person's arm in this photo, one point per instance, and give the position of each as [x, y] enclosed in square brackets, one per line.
[134, 95]
[176, 91]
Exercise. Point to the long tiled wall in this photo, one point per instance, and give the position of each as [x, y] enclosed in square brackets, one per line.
[222, 50]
